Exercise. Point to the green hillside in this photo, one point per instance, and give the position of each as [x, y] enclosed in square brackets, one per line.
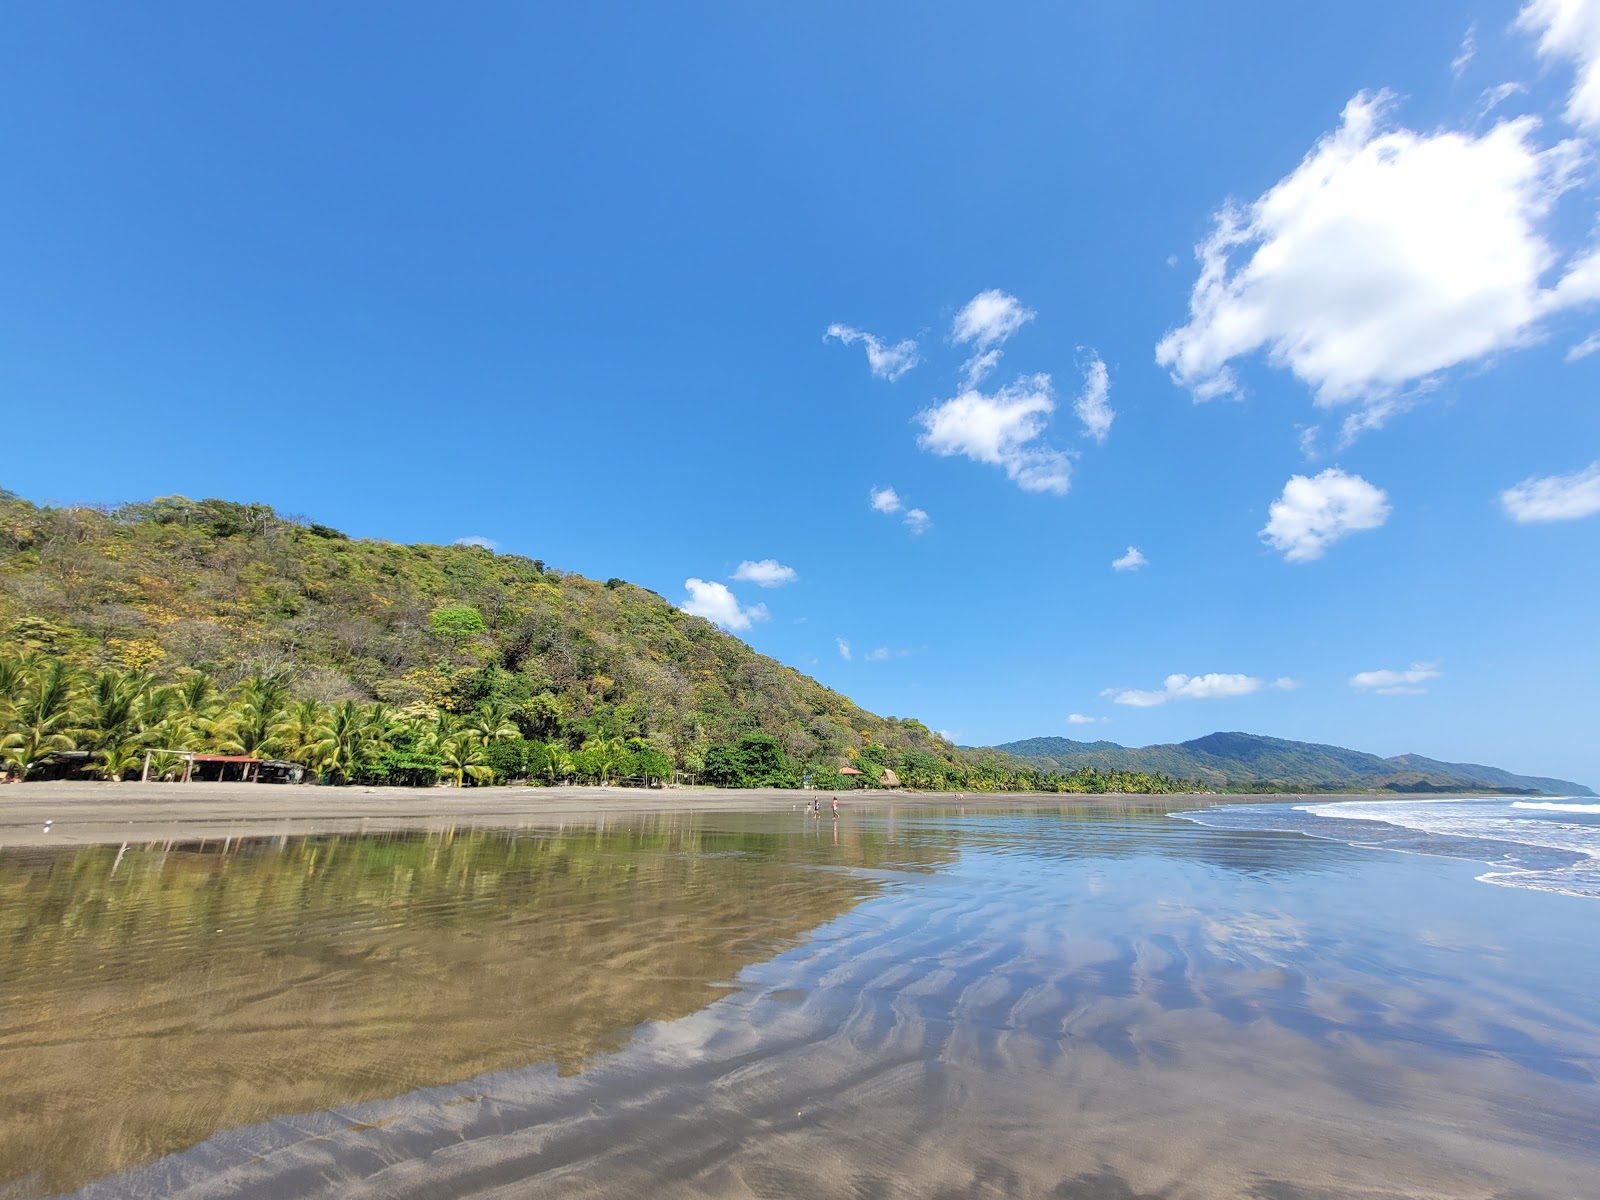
[211, 625]
[1249, 762]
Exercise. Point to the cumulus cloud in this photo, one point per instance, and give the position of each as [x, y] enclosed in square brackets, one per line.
[988, 319]
[844, 648]
[1554, 497]
[478, 540]
[1186, 687]
[1285, 683]
[1001, 429]
[886, 361]
[1396, 683]
[917, 521]
[767, 573]
[1080, 719]
[1131, 561]
[717, 604]
[1315, 512]
[1093, 404]
[1570, 30]
[1384, 258]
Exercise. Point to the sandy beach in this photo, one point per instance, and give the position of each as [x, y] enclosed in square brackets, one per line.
[84, 814]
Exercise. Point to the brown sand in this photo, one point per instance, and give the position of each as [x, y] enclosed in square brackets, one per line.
[112, 813]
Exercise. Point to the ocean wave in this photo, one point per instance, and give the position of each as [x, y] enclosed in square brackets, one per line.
[1555, 806]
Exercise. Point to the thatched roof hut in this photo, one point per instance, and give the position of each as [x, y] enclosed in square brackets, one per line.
[889, 779]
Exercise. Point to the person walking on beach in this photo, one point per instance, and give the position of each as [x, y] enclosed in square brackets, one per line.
[836, 808]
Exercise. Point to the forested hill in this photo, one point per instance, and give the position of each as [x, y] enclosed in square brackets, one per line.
[211, 625]
[1249, 762]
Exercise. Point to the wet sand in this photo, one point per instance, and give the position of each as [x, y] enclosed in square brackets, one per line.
[1094, 1007]
[112, 813]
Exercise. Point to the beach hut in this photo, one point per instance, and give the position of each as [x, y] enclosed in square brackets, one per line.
[853, 774]
[889, 779]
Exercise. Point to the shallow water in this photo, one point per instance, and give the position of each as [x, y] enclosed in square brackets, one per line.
[1082, 1003]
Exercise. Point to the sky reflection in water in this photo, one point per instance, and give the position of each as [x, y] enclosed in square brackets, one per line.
[1070, 1002]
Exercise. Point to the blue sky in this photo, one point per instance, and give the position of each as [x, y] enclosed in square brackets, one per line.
[1319, 280]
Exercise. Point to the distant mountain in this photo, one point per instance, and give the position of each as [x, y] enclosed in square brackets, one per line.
[1249, 762]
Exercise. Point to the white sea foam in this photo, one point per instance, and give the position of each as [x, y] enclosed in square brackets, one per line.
[1555, 806]
[1544, 845]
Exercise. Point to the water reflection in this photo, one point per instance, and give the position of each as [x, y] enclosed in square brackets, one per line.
[150, 996]
[1082, 1001]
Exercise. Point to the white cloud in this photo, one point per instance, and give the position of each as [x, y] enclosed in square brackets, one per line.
[1285, 683]
[844, 648]
[478, 540]
[1493, 98]
[1570, 30]
[1093, 403]
[1309, 441]
[1080, 719]
[1396, 683]
[988, 319]
[1314, 513]
[1000, 430]
[887, 362]
[1468, 51]
[1554, 497]
[1584, 348]
[1384, 258]
[879, 655]
[1131, 561]
[767, 573]
[976, 367]
[717, 604]
[886, 500]
[1187, 687]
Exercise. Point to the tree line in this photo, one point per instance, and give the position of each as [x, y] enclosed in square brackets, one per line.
[118, 717]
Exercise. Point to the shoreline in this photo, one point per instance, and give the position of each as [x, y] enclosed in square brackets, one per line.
[87, 814]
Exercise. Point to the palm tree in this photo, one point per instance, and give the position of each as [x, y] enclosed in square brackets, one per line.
[491, 722]
[354, 736]
[462, 757]
[301, 729]
[258, 703]
[111, 713]
[43, 713]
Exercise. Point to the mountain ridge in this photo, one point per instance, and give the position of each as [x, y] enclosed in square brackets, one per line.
[1255, 762]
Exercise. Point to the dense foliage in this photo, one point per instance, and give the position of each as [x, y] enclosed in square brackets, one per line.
[214, 626]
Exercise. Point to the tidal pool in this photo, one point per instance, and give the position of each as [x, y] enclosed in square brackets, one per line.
[1085, 1002]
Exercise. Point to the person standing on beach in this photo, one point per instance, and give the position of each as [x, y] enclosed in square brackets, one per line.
[836, 808]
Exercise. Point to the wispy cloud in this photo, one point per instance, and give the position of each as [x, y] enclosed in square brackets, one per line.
[1584, 348]
[1570, 30]
[1315, 512]
[478, 540]
[1131, 561]
[1081, 719]
[1396, 683]
[767, 573]
[1093, 404]
[1187, 687]
[844, 648]
[1554, 497]
[1468, 51]
[885, 361]
[717, 604]
[988, 319]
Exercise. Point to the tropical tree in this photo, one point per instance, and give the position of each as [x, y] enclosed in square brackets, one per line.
[463, 757]
[41, 717]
